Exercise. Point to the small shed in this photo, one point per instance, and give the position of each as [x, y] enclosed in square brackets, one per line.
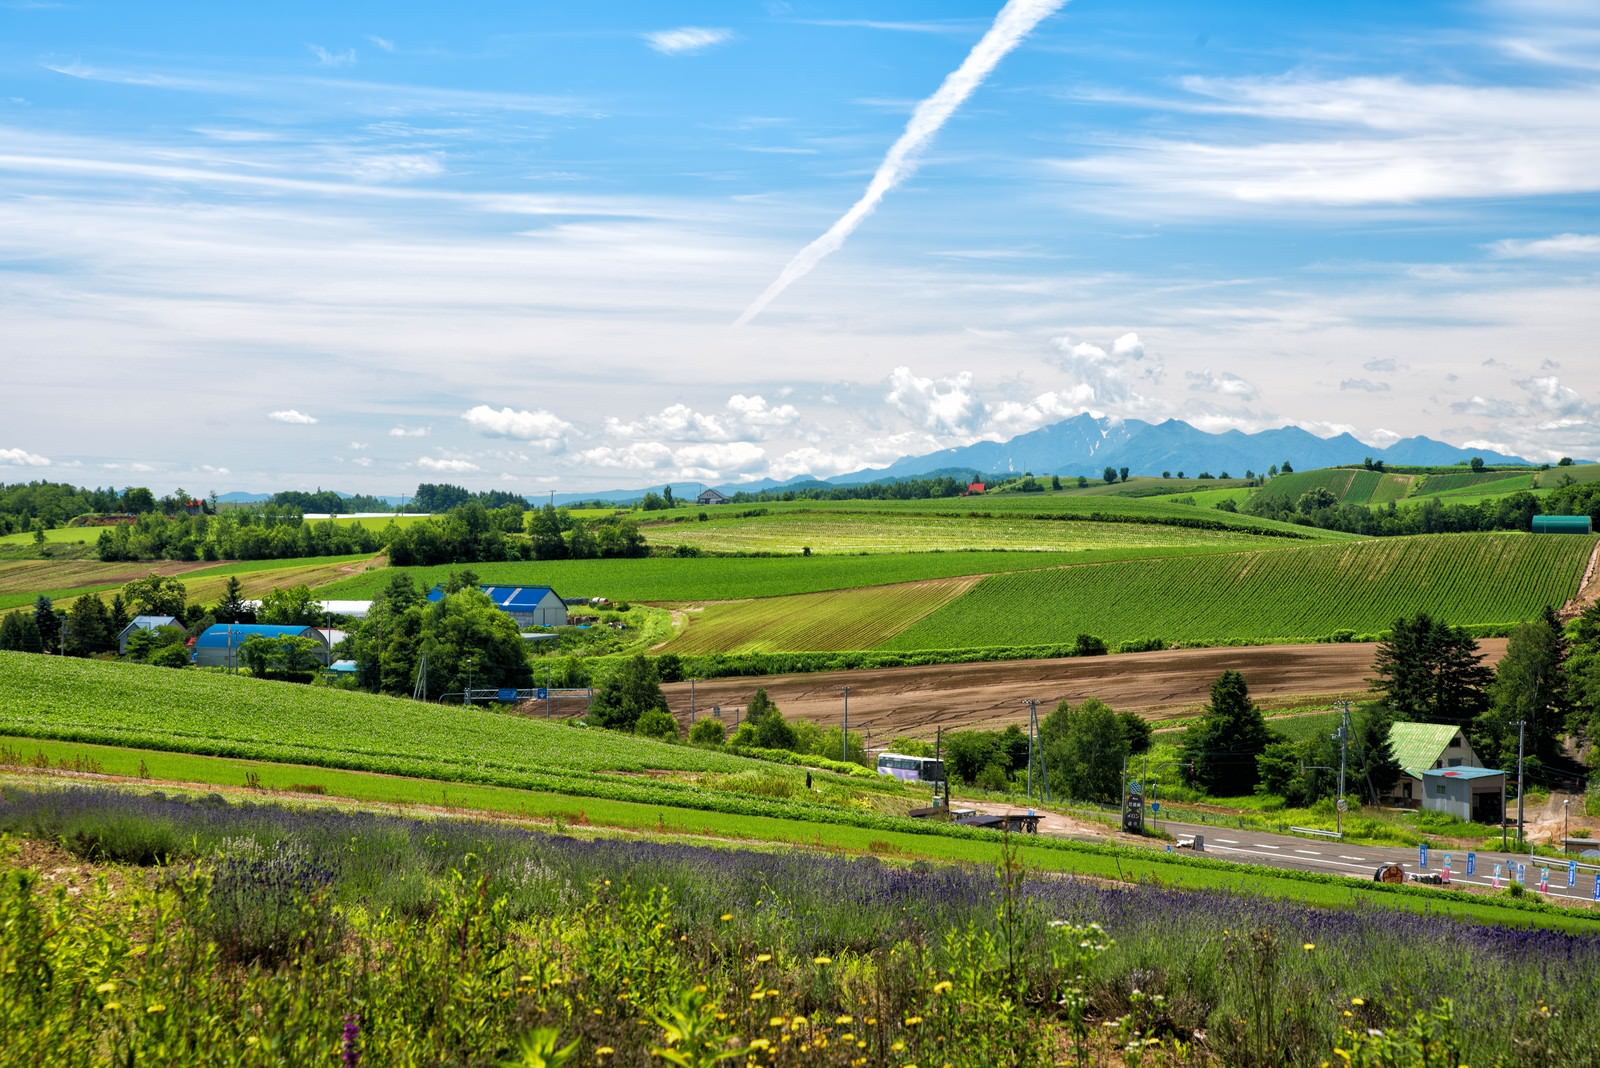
[218, 645]
[1562, 524]
[530, 606]
[1421, 747]
[974, 489]
[710, 496]
[143, 623]
[1472, 794]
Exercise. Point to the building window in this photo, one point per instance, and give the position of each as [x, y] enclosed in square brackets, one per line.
[1438, 789]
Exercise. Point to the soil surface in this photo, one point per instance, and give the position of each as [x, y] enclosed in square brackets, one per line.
[912, 701]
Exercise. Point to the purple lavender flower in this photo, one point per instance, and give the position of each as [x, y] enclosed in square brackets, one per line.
[352, 1041]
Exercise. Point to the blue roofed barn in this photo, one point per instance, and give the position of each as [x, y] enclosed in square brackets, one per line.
[530, 606]
[218, 645]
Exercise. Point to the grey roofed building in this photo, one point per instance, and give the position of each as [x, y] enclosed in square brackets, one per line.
[143, 623]
[710, 496]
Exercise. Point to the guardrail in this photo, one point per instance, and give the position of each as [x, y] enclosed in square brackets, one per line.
[1316, 831]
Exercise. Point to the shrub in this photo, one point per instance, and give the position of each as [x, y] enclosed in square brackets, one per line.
[657, 723]
[1142, 645]
[992, 778]
[708, 732]
[1088, 645]
[171, 656]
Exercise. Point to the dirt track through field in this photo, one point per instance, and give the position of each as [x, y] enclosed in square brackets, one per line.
[912, 701]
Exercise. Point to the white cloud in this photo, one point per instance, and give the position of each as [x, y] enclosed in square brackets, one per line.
[1108, 379]
[686, 39]
[362, 461]
[358, 445]
[23, 458]
[210, 470]
[432, 463]
[754, 411]
[406, 432]
[707, 461]
[292, 416]
[1365, 385]
[1549, 397]
[1382, 366]
[326, 58]
[1389, 141]
[1226, 383]
[1557, 247]
[383, 43]
[539, 426]
[945, 406]
[676, 422]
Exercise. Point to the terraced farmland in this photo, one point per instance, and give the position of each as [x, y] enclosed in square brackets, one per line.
[842, 619]
[1297, 593]
[1352, 485]
[834, 532]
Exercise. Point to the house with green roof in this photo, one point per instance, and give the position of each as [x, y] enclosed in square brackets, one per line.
[1422, 747]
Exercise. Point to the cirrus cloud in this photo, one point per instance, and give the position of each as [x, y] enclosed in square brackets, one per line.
[686, 40]
[292, 416]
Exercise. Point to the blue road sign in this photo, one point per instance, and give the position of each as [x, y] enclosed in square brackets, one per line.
[1155, 806]
[1597, 886]
[1472, 863]
[1572, 873]
[542, 694]
[1522, 874]
[1422, 856]
[506, 695]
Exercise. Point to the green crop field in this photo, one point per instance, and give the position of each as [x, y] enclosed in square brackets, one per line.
[56, 536]
[378, 522]
[841, 619]
[1296, 593]
[1556, 476]
[63, 580]
[838, 532]
[1352, 485]
[672, 579]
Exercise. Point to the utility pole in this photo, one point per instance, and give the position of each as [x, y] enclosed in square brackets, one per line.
[844, 733]
[1344, 745]
[1521, 723]
[691, 702]
[1030, 757]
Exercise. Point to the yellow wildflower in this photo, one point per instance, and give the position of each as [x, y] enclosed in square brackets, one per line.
[821, 960]
[762, 958]
[1309, 946]
[155, 1009]
[725, 917]
[942, 987]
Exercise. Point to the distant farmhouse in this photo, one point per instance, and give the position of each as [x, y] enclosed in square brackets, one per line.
[710, 496]
[143, 623]
[1423, 747]
[219, 644]
[530, 606]
[974, 489]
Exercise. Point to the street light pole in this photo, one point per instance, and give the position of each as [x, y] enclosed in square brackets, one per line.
[844, 733]
[1521, 723]
[1344, 745]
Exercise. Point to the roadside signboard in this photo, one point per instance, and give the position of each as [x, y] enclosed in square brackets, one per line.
[1572, 873]
[1422, 856]
[1472, 862]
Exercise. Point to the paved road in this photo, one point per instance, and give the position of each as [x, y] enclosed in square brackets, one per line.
[1307, 854]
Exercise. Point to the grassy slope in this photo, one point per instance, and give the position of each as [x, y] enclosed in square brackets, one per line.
[881, 532]
[1295, 593]
[64, 580]
[839, 619]
[678, 579]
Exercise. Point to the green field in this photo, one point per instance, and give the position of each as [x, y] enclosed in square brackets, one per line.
[672, 579]
[22, 581]
[841, 619]
[1297, 593]
[56, 536]
[839, 532]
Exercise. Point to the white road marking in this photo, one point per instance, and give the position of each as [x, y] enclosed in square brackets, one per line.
[1229, 841]
[1264, 845]
[1309, 852]
[1358, 860]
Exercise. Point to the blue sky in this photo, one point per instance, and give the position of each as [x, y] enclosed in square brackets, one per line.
[364, 245]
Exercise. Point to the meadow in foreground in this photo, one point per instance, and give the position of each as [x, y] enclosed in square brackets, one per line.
[264, 935]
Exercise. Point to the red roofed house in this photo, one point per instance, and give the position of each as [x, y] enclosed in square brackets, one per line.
[974, 489]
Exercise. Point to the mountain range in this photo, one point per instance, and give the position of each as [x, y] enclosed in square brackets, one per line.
[1087, 445]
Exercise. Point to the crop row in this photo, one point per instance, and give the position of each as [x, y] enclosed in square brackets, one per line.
[1296, 593]
[839, 619]
[678, 579]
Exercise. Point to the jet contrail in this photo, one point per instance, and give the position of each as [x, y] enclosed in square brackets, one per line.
[1015, 21]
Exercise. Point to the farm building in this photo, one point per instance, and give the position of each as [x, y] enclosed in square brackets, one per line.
[1423, 747]
[710, 496]
[530, 606]
[1562, 524]
[1473, 794]
[218, 645]
[143, 623]
[974, 489]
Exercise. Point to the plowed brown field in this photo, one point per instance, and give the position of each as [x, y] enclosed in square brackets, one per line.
[913, 701]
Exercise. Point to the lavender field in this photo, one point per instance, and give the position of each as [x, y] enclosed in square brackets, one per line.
[393, 940]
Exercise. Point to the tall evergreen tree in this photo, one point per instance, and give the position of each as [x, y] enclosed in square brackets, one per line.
[1530, 686]
[232, 608]
[627, 694]
[1431, 672]
[1085, 749]
[48, 622]
[1222, 747]
[118, 615]
[89, 628]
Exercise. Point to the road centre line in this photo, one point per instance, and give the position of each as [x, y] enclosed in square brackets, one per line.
[1309, 852]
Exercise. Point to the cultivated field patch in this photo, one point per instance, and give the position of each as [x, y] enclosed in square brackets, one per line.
[840, 619]
[1296, 593]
